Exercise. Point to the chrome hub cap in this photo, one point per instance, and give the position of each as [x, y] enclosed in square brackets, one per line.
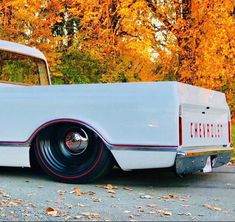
[76, 142]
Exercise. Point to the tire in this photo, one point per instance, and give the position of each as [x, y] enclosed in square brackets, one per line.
[34, 165]
[72, 153]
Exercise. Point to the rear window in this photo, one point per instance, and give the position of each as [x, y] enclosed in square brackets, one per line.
[18, 68]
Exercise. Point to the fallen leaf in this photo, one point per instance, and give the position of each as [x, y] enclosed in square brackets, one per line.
[169, 196]
[212, 207]
[185, 214]
[78, 217]
[110, 187]
[140, 209]
[127, 188]
[5, 195]
[30, 205]
[146, 197]
[151, 205]
[61, 192]
[51, 211]
[231, 163]
[88, 193]
[69, 206]
[67, 218]
[94, 199]
[91, 215]
[13, 203]
[111, 191]
[81, 205]
[107, 187]
[76, 191]
[164, 213]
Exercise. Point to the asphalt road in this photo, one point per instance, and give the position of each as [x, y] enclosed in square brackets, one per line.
[131, 196]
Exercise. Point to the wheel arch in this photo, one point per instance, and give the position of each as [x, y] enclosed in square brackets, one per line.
[37, 162]
[50, 123]
[54, 122]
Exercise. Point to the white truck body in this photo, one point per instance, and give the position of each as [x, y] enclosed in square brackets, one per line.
[144, 125]
[139, 122]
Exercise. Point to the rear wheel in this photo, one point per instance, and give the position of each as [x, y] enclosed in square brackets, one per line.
[72, 153]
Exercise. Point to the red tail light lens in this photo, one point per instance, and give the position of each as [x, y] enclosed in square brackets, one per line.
[180, 131]
[229, 132]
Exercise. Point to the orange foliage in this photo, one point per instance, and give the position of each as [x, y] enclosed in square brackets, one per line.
[30, 22]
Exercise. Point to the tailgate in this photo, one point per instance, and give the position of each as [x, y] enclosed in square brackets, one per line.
[204, 117]
[204, 126]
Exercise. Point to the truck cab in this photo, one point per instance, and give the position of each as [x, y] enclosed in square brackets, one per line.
[22, 65]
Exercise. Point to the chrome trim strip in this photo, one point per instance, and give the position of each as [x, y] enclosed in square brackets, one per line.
[109, 145]
[144, 148]
[199, 152]
[203, 147]
[14, 144]
[181, 154]
[208, 152]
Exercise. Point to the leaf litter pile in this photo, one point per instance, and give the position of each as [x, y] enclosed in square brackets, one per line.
[84, 211]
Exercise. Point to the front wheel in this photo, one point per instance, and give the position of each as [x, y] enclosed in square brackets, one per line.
[72, 153]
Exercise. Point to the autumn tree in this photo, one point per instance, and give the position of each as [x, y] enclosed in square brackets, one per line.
[111, 31]
[203, 43]
[147, 40]
[31, 22]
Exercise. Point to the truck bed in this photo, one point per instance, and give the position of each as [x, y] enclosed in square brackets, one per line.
[145, 125]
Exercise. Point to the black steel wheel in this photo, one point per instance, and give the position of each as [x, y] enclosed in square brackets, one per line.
[72, 153]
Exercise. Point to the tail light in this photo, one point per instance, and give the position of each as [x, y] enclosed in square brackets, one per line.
[229, 132]
[180, 131]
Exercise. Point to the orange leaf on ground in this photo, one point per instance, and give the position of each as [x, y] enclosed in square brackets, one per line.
[51, 212]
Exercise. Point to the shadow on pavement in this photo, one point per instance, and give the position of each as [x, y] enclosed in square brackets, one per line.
[137, 178]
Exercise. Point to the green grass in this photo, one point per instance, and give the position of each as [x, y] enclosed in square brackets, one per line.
[233, 134]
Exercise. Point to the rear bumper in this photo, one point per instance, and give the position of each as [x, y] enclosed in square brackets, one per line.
[192, 160]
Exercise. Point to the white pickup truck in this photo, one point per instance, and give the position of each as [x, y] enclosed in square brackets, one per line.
[77, 133]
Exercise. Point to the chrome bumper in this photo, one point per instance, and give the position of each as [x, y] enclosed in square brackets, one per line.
[193, 160]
